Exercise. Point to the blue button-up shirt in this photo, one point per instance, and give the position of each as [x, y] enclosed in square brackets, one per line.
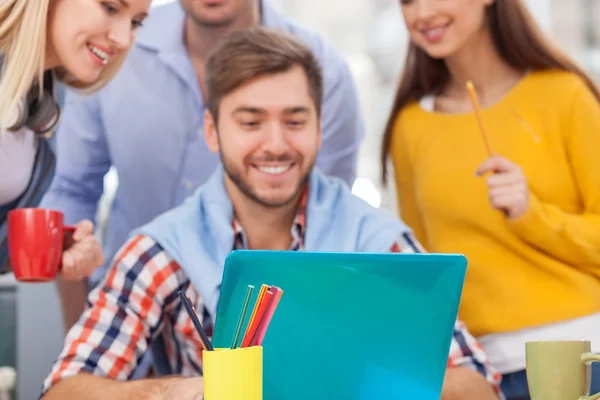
[148, 123]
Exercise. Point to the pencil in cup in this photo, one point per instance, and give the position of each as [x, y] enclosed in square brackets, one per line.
[233, 374]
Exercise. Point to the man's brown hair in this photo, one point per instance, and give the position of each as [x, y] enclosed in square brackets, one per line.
[253, 52]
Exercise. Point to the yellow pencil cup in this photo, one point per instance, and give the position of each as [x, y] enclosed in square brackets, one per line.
[233, 374]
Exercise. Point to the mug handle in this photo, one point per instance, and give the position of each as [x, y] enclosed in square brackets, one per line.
[68, 235]
[67, 229]
[587, 359]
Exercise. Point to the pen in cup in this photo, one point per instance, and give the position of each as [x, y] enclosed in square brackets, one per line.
[187, 304]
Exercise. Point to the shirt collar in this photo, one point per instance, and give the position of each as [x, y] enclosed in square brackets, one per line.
[297, 230]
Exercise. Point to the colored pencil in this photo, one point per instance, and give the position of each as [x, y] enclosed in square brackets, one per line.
[243, 313]
[262, 307]
[259, 336]
[477, 110]
[187, 304]
[261, 293]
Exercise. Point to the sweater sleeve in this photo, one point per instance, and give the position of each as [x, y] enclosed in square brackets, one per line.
[572, 237]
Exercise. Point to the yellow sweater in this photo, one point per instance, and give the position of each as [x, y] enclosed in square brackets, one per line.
[544, 267]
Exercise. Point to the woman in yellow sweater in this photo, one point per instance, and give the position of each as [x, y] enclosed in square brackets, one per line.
[527, 216]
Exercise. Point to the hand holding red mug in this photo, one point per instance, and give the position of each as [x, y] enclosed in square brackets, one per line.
[83, 253]
[40, 246]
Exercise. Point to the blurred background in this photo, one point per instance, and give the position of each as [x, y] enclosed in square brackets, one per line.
[371, 36]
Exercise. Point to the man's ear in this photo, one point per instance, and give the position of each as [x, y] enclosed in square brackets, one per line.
[210, 132]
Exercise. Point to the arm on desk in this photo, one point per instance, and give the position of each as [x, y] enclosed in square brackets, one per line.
[115, 332]
[466, 384]
[469, 373]
[90, 387]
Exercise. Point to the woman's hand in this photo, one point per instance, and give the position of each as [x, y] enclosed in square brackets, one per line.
[83, 253]
[507, 186]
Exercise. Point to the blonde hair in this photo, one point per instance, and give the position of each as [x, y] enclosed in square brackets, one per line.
[23, 36]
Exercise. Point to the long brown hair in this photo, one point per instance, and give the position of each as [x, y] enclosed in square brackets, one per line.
[519, 41]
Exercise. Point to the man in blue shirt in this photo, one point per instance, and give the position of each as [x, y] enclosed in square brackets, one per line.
[148, 122]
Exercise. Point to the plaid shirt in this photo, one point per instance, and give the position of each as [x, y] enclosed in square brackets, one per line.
[138, 301]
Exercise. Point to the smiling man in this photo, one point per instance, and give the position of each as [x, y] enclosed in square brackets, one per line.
[264, 102]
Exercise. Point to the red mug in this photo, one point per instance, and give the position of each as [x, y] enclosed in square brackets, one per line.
[36, 242]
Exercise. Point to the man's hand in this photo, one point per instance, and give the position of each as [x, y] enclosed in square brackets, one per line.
[508, 189]
[90, 387]
[465, 384]
[83, 253]
[184, 389]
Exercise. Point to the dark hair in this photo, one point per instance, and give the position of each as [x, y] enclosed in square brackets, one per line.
[519, 42]
[249, 53]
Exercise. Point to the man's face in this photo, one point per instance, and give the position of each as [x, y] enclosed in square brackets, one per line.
[216, 13]
[268, 134]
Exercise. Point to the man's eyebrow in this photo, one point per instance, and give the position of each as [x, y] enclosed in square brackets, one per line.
[296, 110]
[248, 109]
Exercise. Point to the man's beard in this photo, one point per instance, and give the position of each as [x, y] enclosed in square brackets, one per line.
[237, 178]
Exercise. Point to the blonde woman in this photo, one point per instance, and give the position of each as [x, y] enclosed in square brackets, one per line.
[81, 43]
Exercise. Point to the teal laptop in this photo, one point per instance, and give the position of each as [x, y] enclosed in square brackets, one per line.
[349, 325]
